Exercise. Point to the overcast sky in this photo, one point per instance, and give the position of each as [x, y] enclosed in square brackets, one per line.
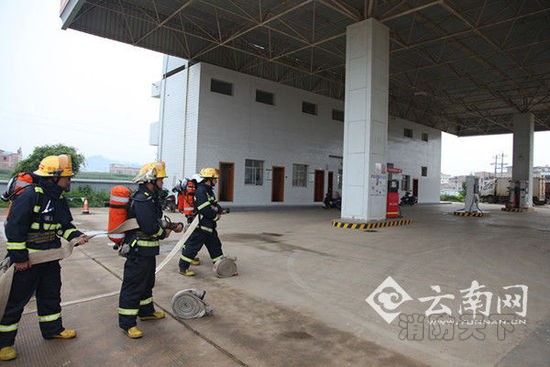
[95, 94]
[73, 88]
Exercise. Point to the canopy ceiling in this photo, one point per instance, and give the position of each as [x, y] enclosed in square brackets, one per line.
[461, 66]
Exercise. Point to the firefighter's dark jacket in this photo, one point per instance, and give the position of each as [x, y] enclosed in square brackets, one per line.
[204, 200]
[145, 207]
[35, 216]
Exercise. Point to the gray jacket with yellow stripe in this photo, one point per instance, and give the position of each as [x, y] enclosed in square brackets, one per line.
[38, 217]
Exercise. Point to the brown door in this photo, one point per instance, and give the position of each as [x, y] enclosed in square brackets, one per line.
[278, 184]
[319, 185]
[226, 181]
[415, 187]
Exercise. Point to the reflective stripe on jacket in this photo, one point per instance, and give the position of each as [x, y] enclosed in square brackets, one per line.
[37, 218]
[145, 207]
[207, 206]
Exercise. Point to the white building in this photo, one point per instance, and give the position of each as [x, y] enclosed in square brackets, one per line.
[122, 169]
[274, 144]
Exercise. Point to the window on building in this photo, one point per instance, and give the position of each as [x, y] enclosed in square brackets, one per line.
[253, 172]
[222, 87]
[424, 136]
[338, 115]
[424, 171]
[406, 182]
[310, 108]
[264, 97]
[299, 175]
[408, 133]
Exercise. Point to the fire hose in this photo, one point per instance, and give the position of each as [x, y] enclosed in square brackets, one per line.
[190, 304]
[64, 251]
[226, 267]
[178, 245]
[186, 304]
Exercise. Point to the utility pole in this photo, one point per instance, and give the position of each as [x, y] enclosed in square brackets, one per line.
[496, 163]
[502, 163]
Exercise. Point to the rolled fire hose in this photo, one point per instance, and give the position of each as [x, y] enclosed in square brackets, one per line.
[189, 304]
[226, 267]
[48, 255]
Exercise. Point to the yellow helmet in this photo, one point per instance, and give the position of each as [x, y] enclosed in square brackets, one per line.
[209, 173]
[55, 165]
[161, 169]
[147, 172]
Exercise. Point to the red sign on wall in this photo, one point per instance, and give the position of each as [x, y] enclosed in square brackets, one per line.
[395, 170]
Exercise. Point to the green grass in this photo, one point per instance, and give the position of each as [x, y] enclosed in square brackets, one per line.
[458, 198]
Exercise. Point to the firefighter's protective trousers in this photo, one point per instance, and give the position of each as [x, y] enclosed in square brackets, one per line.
[37, 218]
[193, 245]
[45, 279]
[208, 210]
[136, 293]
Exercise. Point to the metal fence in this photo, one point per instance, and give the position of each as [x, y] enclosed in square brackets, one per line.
[95, 185]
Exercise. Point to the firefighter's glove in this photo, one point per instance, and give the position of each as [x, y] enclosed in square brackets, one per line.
[226, 211]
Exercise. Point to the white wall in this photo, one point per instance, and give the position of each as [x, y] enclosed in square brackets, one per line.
[411, 154]
[234, 128]
[178, 121]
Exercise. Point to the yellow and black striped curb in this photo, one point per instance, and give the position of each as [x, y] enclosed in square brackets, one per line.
[371, 225]
[518, 210]
[470, 214]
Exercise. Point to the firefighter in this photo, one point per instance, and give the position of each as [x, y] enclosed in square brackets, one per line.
[179, 189]
[37, 218]
[136, 293]
[209, 211]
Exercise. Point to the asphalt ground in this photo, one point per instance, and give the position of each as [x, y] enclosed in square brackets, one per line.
[300, 297]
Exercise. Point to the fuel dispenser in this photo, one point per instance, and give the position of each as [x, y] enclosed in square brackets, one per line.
[471, 200]
[392, 203]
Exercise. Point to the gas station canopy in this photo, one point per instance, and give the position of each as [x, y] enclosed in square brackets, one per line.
[461, 66]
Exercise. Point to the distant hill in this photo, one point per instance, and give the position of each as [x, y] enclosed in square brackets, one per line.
[98, 163]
